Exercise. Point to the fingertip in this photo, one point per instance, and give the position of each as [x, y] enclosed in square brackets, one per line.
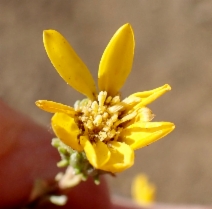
[25, 155]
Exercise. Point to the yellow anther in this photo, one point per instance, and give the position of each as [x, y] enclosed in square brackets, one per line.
[89, 125]
[125, 118]
[106, 128]
[111, 133]
[85, 110]
[115, 100]
[94, 105]
[98, 120]
[101, 97]
[108, 100]
[105, 115]
[114, 117]
[102, 135]
[109, 122]
[101, 109]
[115, 108]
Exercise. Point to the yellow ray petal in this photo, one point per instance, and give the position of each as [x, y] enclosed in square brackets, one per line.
[66, 130]
[54, 107]
[148, 97]
[97, 153]
[68, 64]
[143, 192]
[122, 157]
[142, 134]
[116, 61]
[146, 94]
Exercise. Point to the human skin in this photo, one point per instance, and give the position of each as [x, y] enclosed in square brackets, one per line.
[26, 154]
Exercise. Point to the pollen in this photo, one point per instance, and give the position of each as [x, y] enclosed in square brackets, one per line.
[104, 118]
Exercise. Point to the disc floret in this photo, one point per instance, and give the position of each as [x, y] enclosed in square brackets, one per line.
[103, 118]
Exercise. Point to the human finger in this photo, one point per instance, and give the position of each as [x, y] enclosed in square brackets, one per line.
[26, 155]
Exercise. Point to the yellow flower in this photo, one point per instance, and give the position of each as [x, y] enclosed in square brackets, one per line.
[107, 128]
[143, 192]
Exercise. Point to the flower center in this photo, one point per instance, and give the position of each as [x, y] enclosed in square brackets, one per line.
[103, 119]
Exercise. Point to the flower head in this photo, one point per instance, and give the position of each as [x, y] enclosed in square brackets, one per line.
[104, 126]
[143, 192]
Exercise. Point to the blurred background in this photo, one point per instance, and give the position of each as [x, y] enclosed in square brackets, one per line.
[173, 45]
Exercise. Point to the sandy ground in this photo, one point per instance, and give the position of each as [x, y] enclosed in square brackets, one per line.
[173, 45]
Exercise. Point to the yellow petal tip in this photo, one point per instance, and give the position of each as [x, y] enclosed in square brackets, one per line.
[127, 28]
[47, 35]
[173, 126]
[38, 103]
[47, 32]
[170, 127]
[127, 25]
[167, 87]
